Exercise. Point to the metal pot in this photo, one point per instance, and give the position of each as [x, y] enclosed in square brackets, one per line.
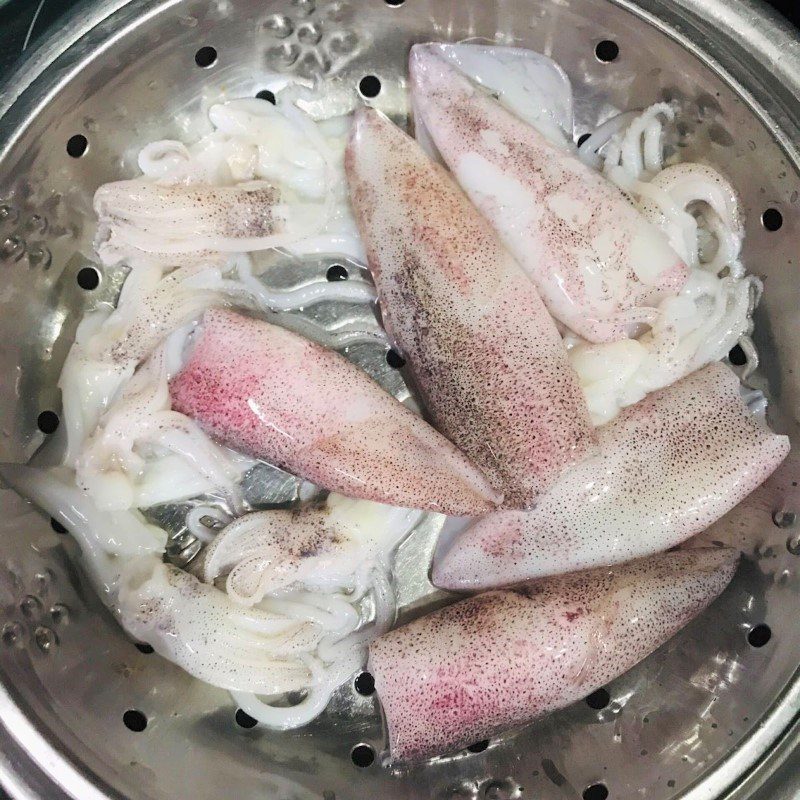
[710, 715]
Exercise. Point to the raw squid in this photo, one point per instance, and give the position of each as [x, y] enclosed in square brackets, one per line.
[496, 661]
[699, 212]
[268, 551]
[668, 467]
[305, 593]
[600, 267]
[527, 83]
[143, 452]
[264, 178]
[107, 539]
[197, 627]
[275, 396]
[481, 347]
[190, 219]
[150, 306]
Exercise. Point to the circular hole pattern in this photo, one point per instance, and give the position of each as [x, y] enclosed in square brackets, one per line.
[737, 356]
[336, 272]
[793, 545]
[369, 86]
[760, 635]
[205, 57]
[394, 359]
[88, 278]
[783, 518]
[134, 720]
[597, 791]
[599, 699]
[394, 3]
[145, 648]
[266, 94]
[606, 52]
[309, 34]
[772, 219]
[77, 145]
[57, 526]
[47, 421]
[363, 755]
[365, 684]
[244, 720]
[479, 747]
[582, 138]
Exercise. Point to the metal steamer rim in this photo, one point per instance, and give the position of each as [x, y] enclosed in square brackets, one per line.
[710, 715]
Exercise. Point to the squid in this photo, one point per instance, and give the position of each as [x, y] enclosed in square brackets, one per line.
[171, 222]
[269, 551]
[668, 467]
[197, 627]
[527, 83]
[481, 348]
[143, 453]
[599, 265]
[499, 660]
[268, 393]
[107, 539]
[262, 179]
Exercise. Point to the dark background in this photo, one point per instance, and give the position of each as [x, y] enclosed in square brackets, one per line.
[789, 8]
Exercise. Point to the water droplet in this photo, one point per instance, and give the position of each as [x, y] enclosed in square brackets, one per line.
[30, 606]
[40, 257]
[60, 614]
[793, 544]
[12, 634]
[45, 638]
[36, 224]
[42, 581]
[8, 214]
[13, 248]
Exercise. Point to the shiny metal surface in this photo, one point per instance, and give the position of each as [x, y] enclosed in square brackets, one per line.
[707, 716]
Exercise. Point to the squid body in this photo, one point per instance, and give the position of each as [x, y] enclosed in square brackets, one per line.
[668, 467]
[273, 395]
[599, 265]
[482, 349]
[498, 660]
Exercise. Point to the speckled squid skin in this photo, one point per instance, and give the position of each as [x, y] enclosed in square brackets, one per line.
[141, 217]
[668, 467]
[598, 264]
[498, 660]
[483, 352]
[273, 395]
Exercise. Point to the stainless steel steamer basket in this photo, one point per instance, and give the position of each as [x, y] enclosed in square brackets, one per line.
[709, 715]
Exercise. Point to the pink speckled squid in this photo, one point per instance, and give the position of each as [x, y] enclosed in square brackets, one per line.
[498, 660]
[668, 467]
[273, 395]
[483, 352]
[600, 267]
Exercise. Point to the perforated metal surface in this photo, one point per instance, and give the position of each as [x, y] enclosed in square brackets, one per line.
[688, 722]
